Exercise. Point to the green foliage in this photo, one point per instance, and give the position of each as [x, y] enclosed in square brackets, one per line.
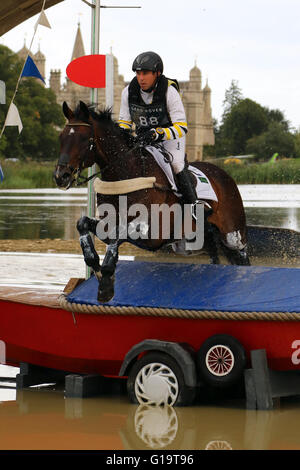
[285, 171]
[30, 174]
[277, 116]
[40, 114]
[245, 120]
[233, 95]
[297, 144]
[247, 127]
[275, 139]
[27, 175]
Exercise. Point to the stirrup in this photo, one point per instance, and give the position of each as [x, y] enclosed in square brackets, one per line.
[194, 204]
[193, 208]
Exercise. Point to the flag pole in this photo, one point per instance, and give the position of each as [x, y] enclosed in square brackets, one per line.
[95, 40]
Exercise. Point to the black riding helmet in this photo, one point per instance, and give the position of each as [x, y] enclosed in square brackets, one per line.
[148, 61]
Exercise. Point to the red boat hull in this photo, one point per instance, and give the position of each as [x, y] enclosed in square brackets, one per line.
[88, 343]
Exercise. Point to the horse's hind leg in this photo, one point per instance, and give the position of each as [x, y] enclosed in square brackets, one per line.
[210, 242]
[234, 250]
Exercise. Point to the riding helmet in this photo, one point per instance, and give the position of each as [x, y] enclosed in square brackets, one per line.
[148, 61]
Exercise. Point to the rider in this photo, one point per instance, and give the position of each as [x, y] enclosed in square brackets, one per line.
[152, 102]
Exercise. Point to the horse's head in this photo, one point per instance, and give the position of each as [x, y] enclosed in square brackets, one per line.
[77, 146]
[90, 137]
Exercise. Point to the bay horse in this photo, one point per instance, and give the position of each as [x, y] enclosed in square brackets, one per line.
[94, 137]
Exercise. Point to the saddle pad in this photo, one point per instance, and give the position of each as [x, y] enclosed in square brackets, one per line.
[204, 188]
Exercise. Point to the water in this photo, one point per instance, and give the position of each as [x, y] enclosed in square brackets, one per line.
[52, 213]
[42, 418]
[40, 213]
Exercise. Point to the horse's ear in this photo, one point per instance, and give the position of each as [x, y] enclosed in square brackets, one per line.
[67, 111]
[84, 109]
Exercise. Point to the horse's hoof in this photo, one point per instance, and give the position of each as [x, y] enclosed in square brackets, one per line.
[105, 293]
[105, 296]
[106, 289]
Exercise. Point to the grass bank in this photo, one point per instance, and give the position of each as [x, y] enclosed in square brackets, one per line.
[27, 175]
[31, 175]
[280, 172]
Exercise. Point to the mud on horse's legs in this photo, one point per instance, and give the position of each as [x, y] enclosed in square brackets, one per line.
[108, 267]
[105, 272]
[91, 258]
[234, 249]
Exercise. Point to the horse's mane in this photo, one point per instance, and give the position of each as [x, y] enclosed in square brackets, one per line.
[104, 117]
[99, 115]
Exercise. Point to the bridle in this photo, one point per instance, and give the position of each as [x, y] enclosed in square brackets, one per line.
[64, 159]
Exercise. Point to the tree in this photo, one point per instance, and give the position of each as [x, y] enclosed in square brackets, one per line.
[297, 143]
[245, 120]
[39, 112]
[275, 139]
[275, 115]
[233, 95]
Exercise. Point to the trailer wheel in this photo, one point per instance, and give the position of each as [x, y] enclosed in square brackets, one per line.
[221, 361]
[157, 379]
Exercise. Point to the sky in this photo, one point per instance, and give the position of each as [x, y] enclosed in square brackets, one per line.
[254, 42]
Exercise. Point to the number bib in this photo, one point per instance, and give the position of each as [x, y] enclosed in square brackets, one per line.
[146, 116]
[149, 115]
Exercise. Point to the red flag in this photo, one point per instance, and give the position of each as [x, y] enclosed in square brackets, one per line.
[88, 70]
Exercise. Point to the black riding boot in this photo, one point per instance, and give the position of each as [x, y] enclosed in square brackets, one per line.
[186, 188]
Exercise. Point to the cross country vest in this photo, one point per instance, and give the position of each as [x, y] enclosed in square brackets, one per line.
[145, 116]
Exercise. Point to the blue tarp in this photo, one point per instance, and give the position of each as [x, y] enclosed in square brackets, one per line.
[199, 287]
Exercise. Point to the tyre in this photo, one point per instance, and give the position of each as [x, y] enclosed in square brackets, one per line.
[157, 379]
[221, 361]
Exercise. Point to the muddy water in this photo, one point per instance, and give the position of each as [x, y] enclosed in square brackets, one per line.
[42, 418]
[51, 213]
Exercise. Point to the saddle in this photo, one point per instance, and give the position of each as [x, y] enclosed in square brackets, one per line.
[203, 186]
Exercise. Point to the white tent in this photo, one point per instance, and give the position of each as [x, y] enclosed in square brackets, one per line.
[13, 12]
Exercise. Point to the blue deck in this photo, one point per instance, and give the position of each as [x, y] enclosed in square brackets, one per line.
[199, 287]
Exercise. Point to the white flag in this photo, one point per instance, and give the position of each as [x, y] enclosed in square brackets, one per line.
[43, 20]
[13, 118]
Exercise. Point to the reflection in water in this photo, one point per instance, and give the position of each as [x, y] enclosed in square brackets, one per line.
[293, 219]
[282, 217]
[156, 426]
[218, 445]
[44, 419]
[32, 222]
[53, 214]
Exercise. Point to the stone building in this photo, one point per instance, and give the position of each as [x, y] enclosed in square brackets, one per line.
[196, 100]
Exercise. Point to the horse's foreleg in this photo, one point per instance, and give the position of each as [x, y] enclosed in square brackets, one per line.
[108, 267]
[91, 258]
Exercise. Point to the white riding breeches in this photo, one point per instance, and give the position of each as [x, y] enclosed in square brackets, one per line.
[176, 147]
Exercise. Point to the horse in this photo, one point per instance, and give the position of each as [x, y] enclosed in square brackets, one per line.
[91, 137]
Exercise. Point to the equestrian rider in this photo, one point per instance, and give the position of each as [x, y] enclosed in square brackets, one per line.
[152, 102]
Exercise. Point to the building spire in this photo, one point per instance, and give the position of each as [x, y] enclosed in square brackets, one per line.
[78, 49]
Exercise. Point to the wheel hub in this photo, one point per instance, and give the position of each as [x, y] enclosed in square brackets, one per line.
[219, 360]
[156, 384]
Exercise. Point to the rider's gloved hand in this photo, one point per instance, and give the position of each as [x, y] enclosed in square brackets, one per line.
[153, 135]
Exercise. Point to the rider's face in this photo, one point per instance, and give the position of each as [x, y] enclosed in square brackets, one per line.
[146, 78]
